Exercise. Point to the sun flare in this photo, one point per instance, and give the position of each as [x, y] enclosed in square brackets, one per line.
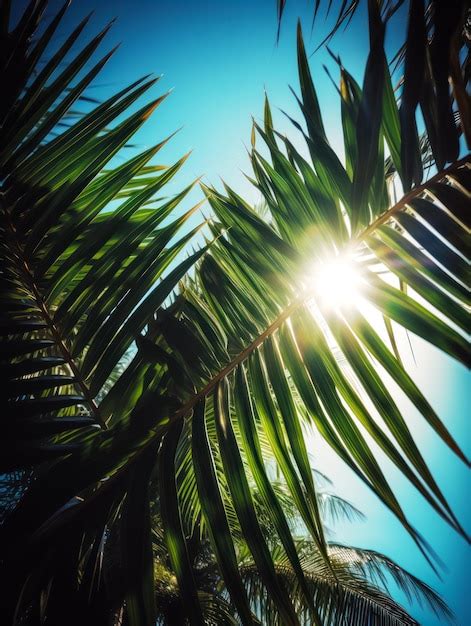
[336, 283]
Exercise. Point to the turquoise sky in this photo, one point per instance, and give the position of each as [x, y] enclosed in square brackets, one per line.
[220, 56]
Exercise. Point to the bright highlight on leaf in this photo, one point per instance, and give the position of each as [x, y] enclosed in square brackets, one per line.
[336, 283]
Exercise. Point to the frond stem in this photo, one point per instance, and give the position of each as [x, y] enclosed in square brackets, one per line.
[408, 197]
[284, 315]
[55, 333]
[308, 294]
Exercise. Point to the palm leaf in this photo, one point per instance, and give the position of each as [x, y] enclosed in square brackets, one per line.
[256, 299]
[83, 279]
[356, 595]
[67, 254]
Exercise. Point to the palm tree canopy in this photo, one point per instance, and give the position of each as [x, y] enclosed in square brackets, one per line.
[113, 348]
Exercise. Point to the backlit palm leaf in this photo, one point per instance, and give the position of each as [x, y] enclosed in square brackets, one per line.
[354, 593]
[263, 327]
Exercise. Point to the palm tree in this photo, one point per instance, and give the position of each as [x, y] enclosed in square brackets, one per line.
[353, 589]
[242, 344]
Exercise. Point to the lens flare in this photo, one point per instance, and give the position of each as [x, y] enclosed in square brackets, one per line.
[337, 283]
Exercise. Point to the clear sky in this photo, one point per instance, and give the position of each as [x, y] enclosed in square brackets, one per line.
[220, 56]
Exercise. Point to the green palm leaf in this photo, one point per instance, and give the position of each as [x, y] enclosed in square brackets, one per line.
[110, 343]
[70, 265]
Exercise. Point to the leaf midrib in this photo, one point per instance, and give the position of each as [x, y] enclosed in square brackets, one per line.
[48, 318]
[308, 294]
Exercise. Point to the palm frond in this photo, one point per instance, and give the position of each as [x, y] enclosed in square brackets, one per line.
[335, 508]
[343, 600]
[356, 591]
[374, 566]
[80, 278]
[284, 353]
[88, 285]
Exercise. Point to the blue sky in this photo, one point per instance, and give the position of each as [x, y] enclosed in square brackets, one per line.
[220, 57]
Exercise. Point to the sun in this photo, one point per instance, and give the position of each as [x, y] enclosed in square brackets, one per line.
[336, 283]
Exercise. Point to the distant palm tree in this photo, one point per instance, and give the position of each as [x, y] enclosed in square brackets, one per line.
[355, 590]
[245, 344]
